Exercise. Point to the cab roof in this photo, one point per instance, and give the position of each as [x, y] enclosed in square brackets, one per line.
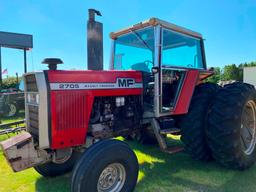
[153, 22]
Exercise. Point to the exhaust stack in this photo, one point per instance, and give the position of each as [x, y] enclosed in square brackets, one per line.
[94, 41]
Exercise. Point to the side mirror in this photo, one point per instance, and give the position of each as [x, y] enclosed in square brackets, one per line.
[155, 70]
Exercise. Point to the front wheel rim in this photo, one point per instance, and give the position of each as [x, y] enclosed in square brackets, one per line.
[112, 178]
[248, 128]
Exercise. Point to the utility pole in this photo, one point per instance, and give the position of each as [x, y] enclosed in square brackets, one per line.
[25, 61]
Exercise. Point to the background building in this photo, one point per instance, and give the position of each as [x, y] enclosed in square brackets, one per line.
[250, 75]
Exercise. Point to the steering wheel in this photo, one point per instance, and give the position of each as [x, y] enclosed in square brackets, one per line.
[143, 66]
[148, 62]
[190, 65]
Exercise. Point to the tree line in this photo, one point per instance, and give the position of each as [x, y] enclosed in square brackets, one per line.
[230, 72]
[10, 82]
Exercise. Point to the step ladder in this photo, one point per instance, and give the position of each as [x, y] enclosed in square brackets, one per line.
[160, 136]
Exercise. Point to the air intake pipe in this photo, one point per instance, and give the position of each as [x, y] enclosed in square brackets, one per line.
[94, 41]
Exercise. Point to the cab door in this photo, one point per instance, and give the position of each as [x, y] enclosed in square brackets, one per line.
[171, 82]
[178, 58]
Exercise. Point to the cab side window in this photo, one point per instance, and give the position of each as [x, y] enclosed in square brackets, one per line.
[181, 51]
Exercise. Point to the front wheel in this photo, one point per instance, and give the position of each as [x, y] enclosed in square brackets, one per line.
[52, 169]
[106, 166]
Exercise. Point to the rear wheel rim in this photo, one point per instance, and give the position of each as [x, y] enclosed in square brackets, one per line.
[248, 128]
[112, 178]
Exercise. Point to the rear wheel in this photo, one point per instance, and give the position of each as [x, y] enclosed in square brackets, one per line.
[52, 169]
[193, 124]
[107, 166]
[232, 126]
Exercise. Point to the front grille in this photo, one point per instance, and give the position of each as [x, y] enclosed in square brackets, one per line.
[33, 120]
[33, 110]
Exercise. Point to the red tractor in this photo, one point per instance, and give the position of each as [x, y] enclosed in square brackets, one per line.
[155, 87]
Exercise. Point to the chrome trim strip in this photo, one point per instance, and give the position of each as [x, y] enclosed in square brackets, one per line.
[95, 86]
[43, 111]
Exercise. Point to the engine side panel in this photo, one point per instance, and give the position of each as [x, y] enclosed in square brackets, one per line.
[70, 112]
[72, 95]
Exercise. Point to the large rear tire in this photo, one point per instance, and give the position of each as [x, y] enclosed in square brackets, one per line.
[193, 124]
[107, 166]
[52, 169]
[232, 126]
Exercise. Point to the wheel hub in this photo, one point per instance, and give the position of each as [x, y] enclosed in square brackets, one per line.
[112, 178]
[63, 155]
[248, 128]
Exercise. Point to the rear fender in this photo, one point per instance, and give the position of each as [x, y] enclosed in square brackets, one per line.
[186, 93]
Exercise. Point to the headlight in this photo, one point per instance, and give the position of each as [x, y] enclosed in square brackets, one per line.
[33, 98]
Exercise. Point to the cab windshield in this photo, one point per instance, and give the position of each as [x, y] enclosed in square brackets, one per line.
[135, 50]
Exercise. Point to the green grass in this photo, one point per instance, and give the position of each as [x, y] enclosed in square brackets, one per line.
[159, 172]
[20, 116]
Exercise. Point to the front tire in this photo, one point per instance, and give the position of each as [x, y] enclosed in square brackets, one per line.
[52, 169]
[232, 126]
[107, 166]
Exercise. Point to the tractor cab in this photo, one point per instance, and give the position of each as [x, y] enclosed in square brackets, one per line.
[167, 55]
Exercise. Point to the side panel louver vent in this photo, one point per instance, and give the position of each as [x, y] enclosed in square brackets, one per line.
[71, 111]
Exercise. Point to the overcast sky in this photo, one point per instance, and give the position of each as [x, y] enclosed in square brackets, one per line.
[59, 27]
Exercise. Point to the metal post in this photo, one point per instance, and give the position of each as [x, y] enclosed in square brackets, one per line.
[25, 61]
[1, 79]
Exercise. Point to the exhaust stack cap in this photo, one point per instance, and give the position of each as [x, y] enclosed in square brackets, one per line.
[52, 63]
[92, 13]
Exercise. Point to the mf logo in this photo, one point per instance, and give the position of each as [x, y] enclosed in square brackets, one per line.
[125, 82]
